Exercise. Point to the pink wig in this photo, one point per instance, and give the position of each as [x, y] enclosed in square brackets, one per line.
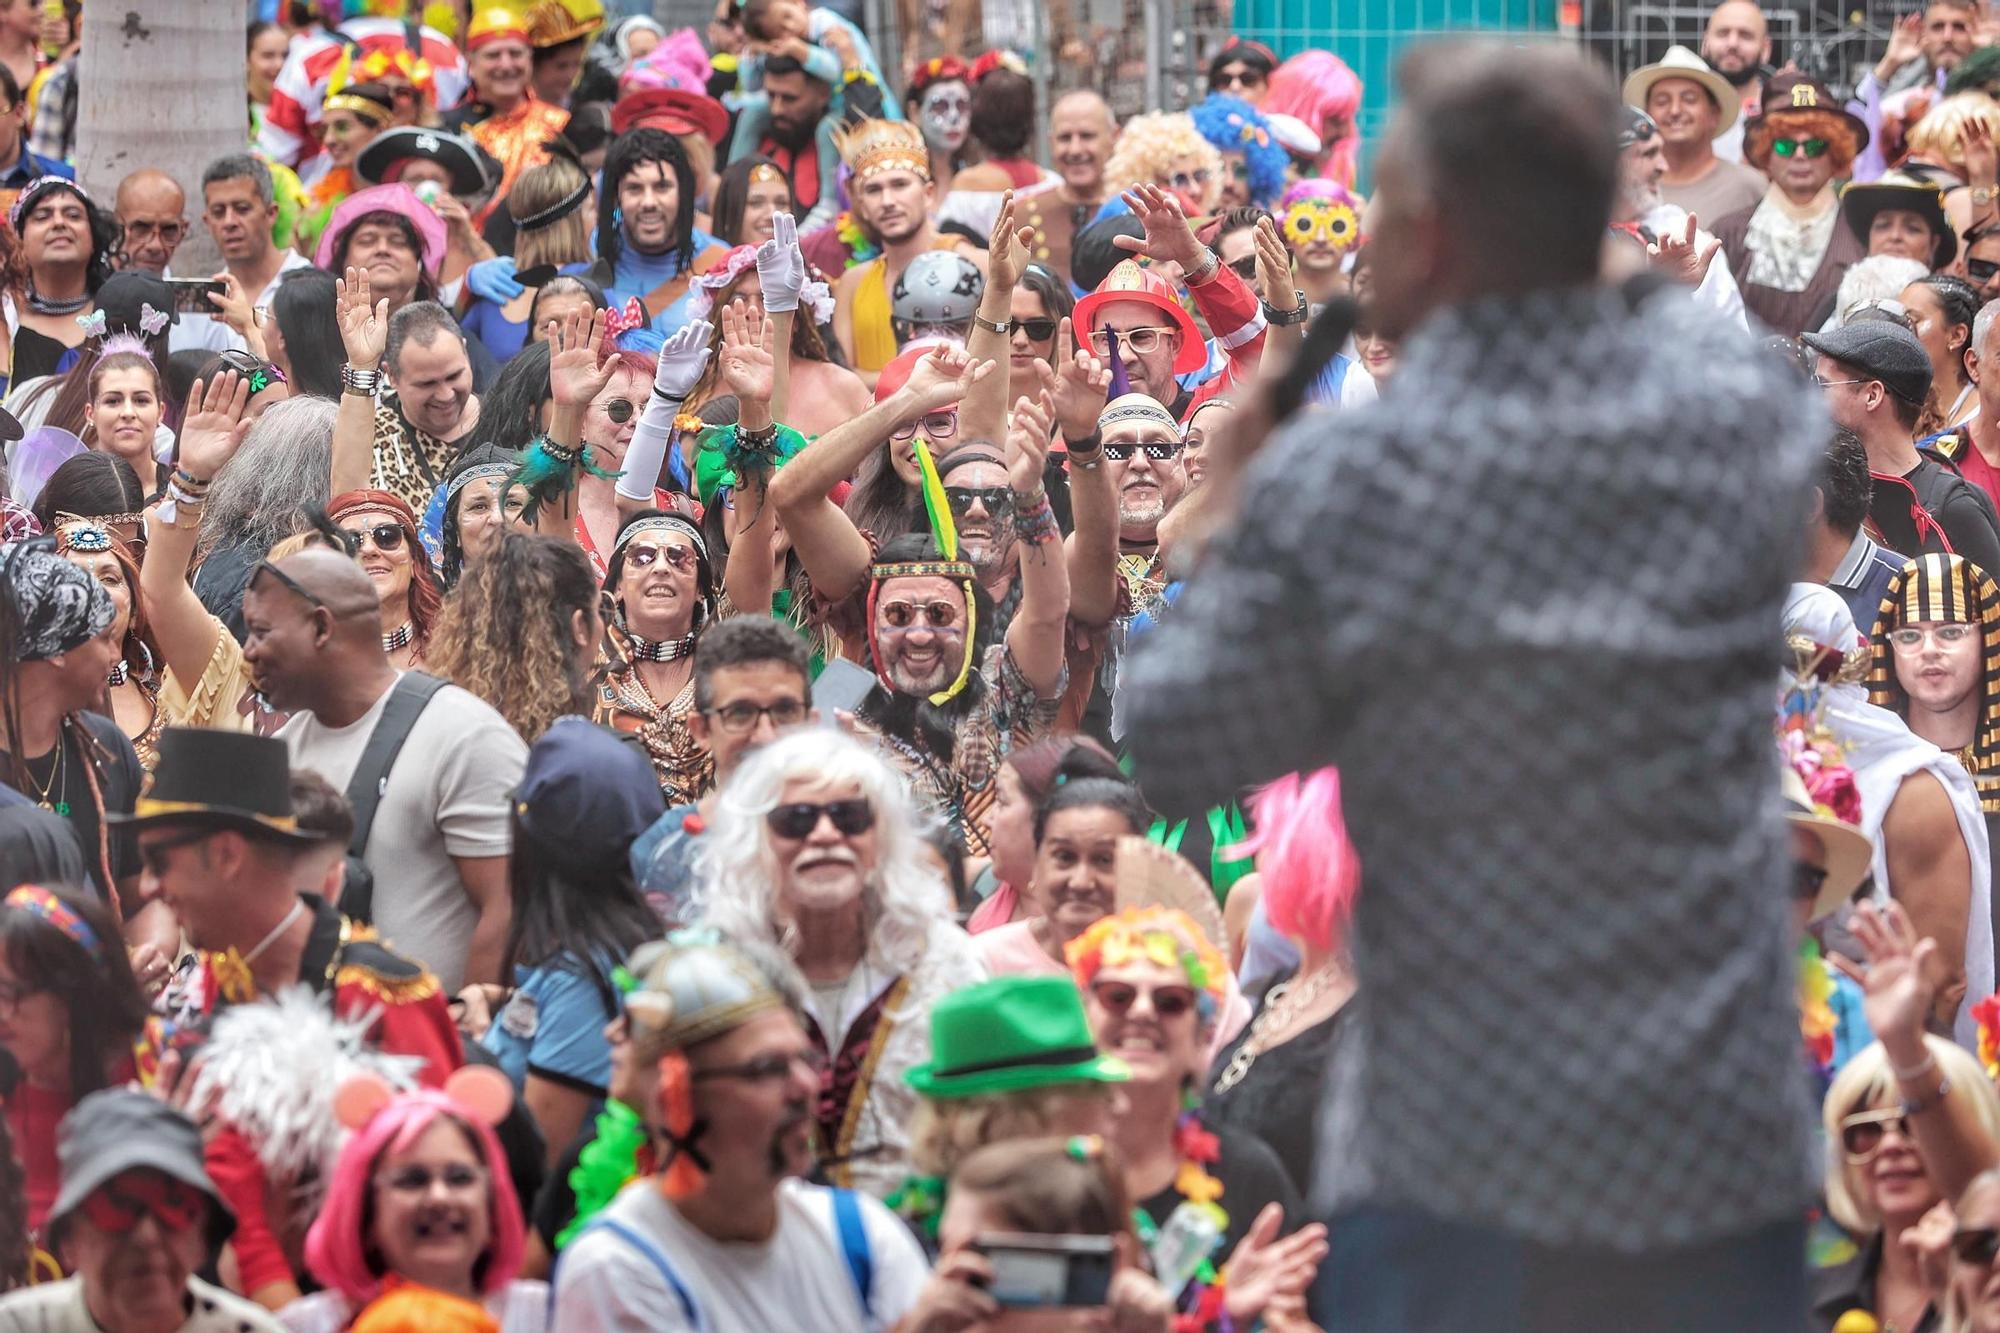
[338, 1249]
[1311, 86]
[1308, 868]
[1319, 187]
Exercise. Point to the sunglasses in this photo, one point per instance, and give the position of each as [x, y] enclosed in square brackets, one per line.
[1140, 340]
[999, 500]
[1975, 1245]
[266, 567]
[935, 425]
[386, 536]
[620, 410]
[457, 1178]
[1982, 270]
[1910, 636]
[153, 855]
[124, 1201]
[1038, 330]
[1246, 267]
[1158, 451]
[679, 558]
[1807, 880]
[1805, 147]
[739, 719]
[799, 819]
[1861, 1135]
[902, 615]
[1169, 1002]
[1238, 78]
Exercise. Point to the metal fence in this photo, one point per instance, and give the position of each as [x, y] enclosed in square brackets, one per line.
[1836, 42]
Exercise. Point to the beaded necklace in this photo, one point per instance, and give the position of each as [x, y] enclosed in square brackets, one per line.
[1201, 1296]
[662, 650]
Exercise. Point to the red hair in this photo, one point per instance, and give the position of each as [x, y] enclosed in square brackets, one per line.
[426, 600]
[339, 1250]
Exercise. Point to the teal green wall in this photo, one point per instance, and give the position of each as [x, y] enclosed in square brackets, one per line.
[1369, 35]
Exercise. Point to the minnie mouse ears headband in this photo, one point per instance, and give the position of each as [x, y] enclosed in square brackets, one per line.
[480, 1093]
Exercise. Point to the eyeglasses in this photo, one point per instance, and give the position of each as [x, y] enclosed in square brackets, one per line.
[1807, 147]
[153, 855]
[903, 615]
[739, 719]
[12, 993]
[1861, 1135]
[387, 537]
[935, 425]
[1910, 636]
[1038, 330]
[1141, 340]
[168, 232]
[1981, 271]
[456, 1178]
[767, 1070]
[1168, 1001]
[619, 410]
[1807, 880]
[124, 1201]
[1157, 450]
[1975, 1245]
[1246, 267]
[1825, 383]
[679, 558]
[799, 819]
[998, 500]
[1188, 180]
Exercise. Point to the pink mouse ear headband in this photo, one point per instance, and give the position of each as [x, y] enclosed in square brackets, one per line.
[479, 1093]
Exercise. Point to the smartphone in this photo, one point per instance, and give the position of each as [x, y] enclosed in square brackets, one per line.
[191, 294]
[1030, 1271]
[840, 689]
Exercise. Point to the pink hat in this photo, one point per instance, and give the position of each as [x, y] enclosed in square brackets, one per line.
[396, 198]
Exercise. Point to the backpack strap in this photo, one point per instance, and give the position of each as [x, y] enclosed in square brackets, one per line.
[653, 1255]
[854, 1247]
[408, 698]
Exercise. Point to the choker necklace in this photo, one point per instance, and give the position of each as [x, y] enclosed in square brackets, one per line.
[662, 650]
[120, 674]
[42, 305]
[399, 640]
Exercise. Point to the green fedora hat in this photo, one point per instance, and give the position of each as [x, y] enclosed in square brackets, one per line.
[1009, 1034]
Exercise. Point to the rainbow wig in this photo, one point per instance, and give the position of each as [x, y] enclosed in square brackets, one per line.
[1310, 872]
[1312, 86]
[338, 1250]
[1163, 935]
[1233, 125]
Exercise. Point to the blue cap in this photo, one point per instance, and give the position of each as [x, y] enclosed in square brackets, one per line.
[586, 795]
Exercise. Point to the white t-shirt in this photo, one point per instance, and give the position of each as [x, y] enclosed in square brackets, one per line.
[58, 1307]
[797, 1279]
[449, 795]
[194, 330]
[522, 1307]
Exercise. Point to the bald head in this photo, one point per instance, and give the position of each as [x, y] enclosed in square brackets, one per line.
[1081, 132]
[1737, 41]
[334, 581]
[152, 209]
[313, 634]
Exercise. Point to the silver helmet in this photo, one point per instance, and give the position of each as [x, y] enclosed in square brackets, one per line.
[939, 287]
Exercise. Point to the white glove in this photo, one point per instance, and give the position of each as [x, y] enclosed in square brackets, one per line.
[682, 360]
[781, 266]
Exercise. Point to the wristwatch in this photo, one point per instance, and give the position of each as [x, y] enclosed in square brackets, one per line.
[1206, 270]
[1985, 195]
[1299, 314]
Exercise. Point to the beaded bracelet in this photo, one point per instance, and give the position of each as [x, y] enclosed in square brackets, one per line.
[1035, 522]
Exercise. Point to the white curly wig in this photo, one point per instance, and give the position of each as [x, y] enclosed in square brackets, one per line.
[1149, 145]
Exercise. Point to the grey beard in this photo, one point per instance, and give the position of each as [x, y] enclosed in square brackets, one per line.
[1151, 513]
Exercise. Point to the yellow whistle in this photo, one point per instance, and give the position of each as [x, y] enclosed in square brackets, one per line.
[1857, 1321]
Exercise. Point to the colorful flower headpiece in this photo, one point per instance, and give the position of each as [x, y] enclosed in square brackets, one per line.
[1161, 935]
[1987, 1014]
[997, 59]
[939, 69]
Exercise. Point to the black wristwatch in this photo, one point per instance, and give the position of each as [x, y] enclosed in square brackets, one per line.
[1284, 318]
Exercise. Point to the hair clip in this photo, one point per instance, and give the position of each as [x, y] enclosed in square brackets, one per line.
[1085, 1147]
[92, 324]
[151, 321]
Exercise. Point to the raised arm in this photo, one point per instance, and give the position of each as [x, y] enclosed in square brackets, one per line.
[210, 436]
[781, 273]
[1281, 294]
[1227, 305]
[1078, 391]
[1035, 636]
[581, 360]
[682, 360]
[748, 369]
[364, 332]
[983, 414]
[834, 552]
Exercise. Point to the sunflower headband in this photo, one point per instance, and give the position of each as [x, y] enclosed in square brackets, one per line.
[1327, 220]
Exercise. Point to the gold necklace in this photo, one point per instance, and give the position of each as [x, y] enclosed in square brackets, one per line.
[1286, 1001]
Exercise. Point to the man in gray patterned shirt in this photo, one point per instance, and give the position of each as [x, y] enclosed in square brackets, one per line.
[1526, 603]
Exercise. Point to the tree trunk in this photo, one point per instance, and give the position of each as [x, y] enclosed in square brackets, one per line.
[161, 85]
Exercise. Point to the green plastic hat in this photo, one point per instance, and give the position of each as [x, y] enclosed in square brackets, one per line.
[1010, 1034]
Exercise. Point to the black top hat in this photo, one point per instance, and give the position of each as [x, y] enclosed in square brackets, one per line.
[227, 779]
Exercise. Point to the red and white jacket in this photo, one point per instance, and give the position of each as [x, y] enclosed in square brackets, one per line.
[289, 135]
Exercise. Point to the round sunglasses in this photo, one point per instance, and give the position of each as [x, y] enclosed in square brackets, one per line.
[386, 536]
[903, 615]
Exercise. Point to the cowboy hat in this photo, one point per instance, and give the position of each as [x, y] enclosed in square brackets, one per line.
[1681, 63]
[1849, 854]
[1860, 203]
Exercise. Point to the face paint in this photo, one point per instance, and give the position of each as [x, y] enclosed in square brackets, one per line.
[945, 113]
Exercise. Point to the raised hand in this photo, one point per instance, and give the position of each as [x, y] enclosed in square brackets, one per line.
[1274, 267]
[1982, 163]
[747, 366]
[1898, 986]
[580, 358]
[214, 428]
[1078, 388]
[1168, 235]
[364, 327]
[231, 304]
[682, 359]
[1007, 250]
[781, 265]
[944, 376]
[1906, 43]
[1683, 258]
[1027, 443]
